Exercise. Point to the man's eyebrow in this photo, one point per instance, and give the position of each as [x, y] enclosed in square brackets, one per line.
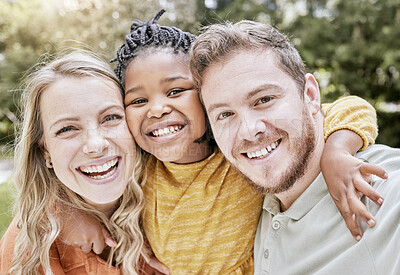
[263, 87]
[254, 92]
[216, 106]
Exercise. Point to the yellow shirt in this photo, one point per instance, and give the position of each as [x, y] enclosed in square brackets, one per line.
[201, 218]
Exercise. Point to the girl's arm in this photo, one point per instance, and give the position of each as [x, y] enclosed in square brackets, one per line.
[83, 231]
[350, 126]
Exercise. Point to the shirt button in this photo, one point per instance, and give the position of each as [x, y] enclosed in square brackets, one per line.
[266, 253]
[276, 225]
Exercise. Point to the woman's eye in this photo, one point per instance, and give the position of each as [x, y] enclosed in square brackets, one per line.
[64, 130]
[175, 92]
[138, 101]
[112, 117]
[264, 100]
[225, 115]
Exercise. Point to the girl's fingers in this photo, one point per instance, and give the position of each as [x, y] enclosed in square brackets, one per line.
[360, 210]
[86, 248]
[365, 188]
[98, 245]
[107, 238]
[373, 169]
[349, 218]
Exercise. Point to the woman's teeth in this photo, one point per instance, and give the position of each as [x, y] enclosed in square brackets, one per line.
[263, 152]
[100, 171]
[166, 131]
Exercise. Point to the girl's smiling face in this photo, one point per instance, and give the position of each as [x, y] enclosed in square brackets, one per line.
[163, 109]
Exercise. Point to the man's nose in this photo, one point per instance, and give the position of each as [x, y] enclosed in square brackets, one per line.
[250, 128]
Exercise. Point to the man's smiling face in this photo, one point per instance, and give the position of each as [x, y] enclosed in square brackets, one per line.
[259, 119]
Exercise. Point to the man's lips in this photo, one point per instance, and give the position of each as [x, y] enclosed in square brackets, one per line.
[264, 152]
[100, 171]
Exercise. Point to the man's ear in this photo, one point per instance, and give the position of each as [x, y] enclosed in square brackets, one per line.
[312, 95]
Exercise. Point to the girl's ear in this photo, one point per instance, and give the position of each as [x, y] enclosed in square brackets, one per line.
[312, 95]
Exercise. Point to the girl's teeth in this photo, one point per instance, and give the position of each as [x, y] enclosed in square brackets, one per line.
[166, 131]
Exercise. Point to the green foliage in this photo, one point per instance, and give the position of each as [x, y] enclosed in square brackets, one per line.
[7, 191]
[31, 28]
[353, 47]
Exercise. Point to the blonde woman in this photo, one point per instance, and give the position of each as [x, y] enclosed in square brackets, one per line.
[74, 151]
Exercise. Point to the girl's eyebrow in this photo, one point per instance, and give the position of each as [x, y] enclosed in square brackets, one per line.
[165, 80]
[132, 90]
[173, 78]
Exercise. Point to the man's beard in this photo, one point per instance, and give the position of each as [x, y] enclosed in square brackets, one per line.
[302, 149]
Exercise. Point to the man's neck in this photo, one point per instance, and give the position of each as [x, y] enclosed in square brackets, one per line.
[313, 169]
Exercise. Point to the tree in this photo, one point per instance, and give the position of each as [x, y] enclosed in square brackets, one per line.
[353, 47]
[31, 28]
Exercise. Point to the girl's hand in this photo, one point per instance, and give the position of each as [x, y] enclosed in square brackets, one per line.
[348, 179]
[153, 266]
[83, 231]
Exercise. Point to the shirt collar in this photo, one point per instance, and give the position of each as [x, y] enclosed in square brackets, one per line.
[307, 200]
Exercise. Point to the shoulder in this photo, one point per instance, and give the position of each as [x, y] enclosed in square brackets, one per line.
[389, 159]
[7, 244]
[382, 155]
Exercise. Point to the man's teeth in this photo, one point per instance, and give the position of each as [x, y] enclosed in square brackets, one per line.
[263, 152]
[99, 168]
[166, 131]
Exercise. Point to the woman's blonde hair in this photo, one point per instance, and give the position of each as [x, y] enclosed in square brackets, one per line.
[41, 193]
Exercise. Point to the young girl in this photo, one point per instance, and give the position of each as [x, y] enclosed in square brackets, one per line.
[75, 149]
[200, 215]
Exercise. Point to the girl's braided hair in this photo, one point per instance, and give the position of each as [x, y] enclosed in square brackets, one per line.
[149, 34]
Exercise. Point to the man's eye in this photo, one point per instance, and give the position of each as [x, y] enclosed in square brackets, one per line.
[225, 115]
[64, 130]
[264, 100]
[112, 117]
[175, 92]
[138, 101]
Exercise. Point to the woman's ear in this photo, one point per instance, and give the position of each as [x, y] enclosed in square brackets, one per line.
[46, 156]
[312, 95]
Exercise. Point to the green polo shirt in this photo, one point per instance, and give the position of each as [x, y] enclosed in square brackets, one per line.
[311, 237]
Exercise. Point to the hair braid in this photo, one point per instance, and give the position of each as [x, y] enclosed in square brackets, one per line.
[147, 34]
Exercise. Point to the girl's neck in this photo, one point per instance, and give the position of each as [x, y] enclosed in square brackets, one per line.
[196, 153]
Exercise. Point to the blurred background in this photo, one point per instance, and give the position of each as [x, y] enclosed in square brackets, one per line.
[352, 47]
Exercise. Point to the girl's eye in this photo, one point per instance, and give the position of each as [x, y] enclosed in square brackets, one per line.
[112, 117]
[175, 92]
[139, 101]
[264, 100]
[64, 130]
[224, 115]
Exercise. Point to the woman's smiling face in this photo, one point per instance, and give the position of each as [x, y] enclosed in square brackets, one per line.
[163, 109]
[86, 137]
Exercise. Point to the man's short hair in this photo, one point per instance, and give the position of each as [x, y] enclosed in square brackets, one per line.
[219, 41]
